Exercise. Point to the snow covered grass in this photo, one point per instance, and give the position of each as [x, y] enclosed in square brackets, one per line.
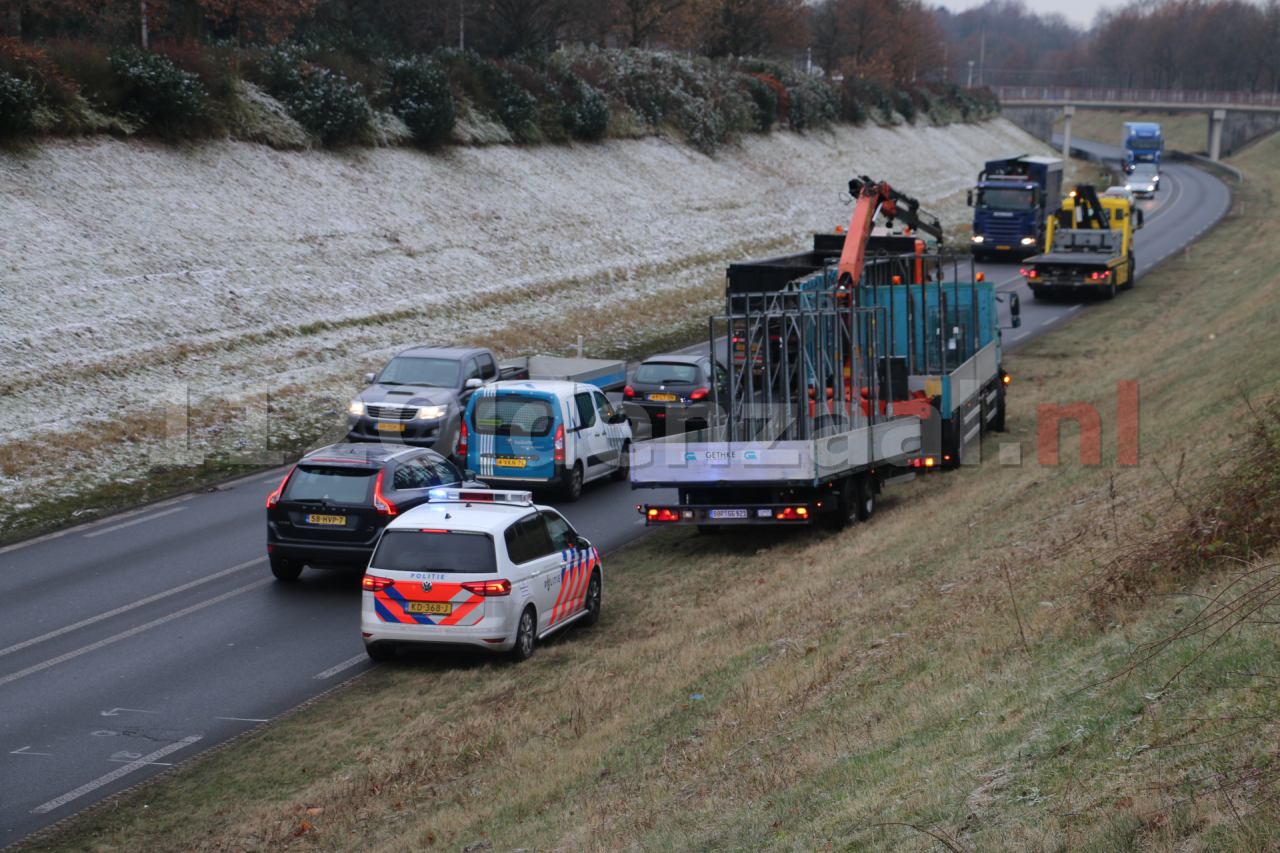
[138, 277]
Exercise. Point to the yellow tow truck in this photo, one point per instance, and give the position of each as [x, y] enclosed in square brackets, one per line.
[1088, 245]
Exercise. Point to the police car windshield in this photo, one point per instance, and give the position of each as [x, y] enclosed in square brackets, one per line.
[435, 551]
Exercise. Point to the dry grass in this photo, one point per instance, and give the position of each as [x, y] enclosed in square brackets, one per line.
[935, 678]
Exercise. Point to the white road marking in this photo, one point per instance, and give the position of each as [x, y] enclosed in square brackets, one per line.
[126, 607]
[58, 534]
[89, 787]
[123, 635]
[26, 750]
[244, 719]
[113, 528]
[153, 763]
[1050, 321]
[115, 712]
[346, 664]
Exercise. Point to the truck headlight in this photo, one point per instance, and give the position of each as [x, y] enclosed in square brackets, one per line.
[356, 409]
[1028, 241]
[430, 413]
[978, 238]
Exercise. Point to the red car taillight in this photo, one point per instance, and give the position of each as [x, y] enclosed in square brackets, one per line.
[380, 502]
[662, 513]
[373, 583]
[273, 499]
[488, 588]
[462, 442]
[559, 454]
[699, 394]
[628, 393]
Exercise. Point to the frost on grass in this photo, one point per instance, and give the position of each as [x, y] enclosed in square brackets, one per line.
[134, 274]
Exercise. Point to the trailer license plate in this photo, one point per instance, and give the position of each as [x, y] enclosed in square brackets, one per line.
[664, 398]
[332, 520]
[384, 427]
[728, 513]
[434, 608]
[510, 462]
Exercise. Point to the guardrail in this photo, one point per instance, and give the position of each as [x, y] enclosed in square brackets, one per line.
[1173, 97]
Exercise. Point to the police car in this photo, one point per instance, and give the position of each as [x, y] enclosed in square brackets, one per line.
[481, 569]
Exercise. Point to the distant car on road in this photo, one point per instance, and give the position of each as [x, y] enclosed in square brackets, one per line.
[486, 570]
[673, 393]
[330, 508]
[1143, 180]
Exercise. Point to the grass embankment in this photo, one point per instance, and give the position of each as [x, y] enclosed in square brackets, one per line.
[1186, 132]
[939, 674]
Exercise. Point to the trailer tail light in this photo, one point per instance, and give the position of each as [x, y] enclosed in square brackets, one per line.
[699, 394]
[559, 445]
[792, 513]
[628, 393]
[1005, 378]
[488, 589]
[1100, 276]
[373, 583]
[273, 499]
[924, 462]
[462, 441]
[380, 502]
[662, 513]
[1029, 273]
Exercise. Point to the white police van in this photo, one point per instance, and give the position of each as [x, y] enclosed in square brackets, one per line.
[478, 568]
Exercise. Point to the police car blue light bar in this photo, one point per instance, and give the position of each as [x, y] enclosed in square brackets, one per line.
[481, 496]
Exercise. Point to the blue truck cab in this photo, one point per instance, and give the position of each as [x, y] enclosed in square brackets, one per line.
[1010, 203]
[1143, 143]
[544, 433]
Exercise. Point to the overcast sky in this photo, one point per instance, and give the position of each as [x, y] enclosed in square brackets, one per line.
[1078, 12]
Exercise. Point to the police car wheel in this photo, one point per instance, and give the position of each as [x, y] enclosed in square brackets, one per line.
[624, 463]
[525, 637]
[380, 652]
[593, 600]
[285, 570]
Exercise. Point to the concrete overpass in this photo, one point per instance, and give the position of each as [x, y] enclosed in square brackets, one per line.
[1215, 104]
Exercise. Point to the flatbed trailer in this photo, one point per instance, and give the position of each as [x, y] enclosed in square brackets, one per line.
[1088, 246]
[605, 374]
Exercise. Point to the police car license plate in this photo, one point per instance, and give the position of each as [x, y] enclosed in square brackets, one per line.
[728, 513]
[434, 608]
[390, 427]
[332, 520]
[510, 462]
[663, 398]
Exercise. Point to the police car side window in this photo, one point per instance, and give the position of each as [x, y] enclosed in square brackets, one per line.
[562, 537]
[527, 539]
[586, 411]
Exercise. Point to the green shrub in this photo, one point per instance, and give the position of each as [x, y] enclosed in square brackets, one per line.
[323, 101]
[586, 113]
[813, 103]
[18, 102]
[155, 90]
[418, 91]
[765, 100]
[492, 89]
[904, 105]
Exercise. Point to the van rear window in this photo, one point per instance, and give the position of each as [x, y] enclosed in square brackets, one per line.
[513, 414]
[435, 551]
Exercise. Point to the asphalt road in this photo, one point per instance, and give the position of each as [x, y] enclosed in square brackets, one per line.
[134, 642]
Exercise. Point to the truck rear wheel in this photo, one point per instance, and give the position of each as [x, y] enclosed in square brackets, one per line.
[1133, 273]
[997, 423]
[845, 511]
[865, 490]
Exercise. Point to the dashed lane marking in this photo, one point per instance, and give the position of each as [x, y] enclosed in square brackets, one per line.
[90, 787]
[113, 528]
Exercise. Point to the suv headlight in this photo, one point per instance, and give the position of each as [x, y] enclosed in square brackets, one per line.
[356, 409]
[430, 413]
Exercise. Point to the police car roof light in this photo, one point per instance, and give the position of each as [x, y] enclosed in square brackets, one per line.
[481, 496]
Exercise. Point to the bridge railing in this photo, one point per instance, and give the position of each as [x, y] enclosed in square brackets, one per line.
[1177, 97]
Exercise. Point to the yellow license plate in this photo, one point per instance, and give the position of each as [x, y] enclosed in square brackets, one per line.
[664, 398]
[390, 427]
[434, 608]
[312, 518]
[510, 462]
[1003, 247]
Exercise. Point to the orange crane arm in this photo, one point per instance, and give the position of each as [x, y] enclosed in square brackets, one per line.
[873, 198]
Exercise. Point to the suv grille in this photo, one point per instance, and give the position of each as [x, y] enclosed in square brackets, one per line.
[392, 413]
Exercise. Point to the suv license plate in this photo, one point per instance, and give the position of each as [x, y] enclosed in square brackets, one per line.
[313, 518]
[384, 427]
[435, 608]
[728, 513]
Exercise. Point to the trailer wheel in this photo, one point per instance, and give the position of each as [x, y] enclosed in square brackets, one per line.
[1110, 292]
[1039, 294]
[865, 490]
[1132, 274]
